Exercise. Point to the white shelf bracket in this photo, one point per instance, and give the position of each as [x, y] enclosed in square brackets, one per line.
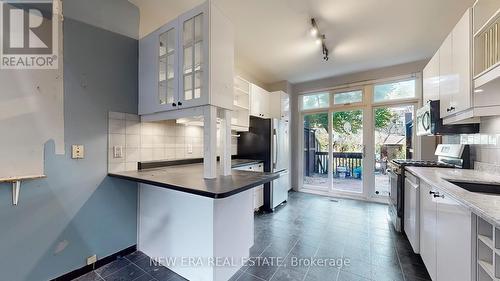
[16, 187]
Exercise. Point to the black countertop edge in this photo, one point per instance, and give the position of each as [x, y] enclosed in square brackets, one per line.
[240, 162]
[196, 191]
[245, 162]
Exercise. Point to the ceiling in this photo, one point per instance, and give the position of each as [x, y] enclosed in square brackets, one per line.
[273, 42]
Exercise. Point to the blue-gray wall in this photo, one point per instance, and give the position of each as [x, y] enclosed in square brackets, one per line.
[77, 211]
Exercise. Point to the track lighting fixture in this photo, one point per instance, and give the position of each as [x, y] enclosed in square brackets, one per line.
[320, 38]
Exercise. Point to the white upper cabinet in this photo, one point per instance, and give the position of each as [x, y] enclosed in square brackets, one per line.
[446, 78]
[448, 75]
[280, 105]
[259, 102]
[430, 76]
[462, 64]
[187, 62]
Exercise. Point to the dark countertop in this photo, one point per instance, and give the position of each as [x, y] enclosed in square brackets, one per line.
[189, 178]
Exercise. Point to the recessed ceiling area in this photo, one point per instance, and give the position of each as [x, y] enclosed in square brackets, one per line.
[273, 42]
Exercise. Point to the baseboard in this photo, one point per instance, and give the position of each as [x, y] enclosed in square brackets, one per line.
[101, 262]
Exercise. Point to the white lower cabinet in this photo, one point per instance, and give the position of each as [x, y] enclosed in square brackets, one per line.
[428, 218]
[454, 240]
[445, 236]
[258, 195]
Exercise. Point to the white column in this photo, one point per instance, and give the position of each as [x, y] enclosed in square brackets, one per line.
[225, 133]
[210, 142]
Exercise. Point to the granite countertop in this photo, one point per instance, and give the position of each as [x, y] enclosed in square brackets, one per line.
[487, 206]
[189, 178]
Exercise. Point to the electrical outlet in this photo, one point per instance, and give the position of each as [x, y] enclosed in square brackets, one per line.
[77, 151]
[91, 259]
[118, 151]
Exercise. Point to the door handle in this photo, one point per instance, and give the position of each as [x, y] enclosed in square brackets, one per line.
[179, 103]
[432, 192]
[438, 195]
[173, 104]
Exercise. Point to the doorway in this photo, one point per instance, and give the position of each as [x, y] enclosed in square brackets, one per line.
[333, 151]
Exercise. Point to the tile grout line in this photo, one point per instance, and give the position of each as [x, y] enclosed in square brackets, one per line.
[99, 275]
[115, 270]
[143, 271]
[244, 271]
[272, 276]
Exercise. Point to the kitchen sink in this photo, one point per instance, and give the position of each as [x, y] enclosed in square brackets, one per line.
[479, 187]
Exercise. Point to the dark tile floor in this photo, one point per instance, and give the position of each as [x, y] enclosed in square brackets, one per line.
[351, 238]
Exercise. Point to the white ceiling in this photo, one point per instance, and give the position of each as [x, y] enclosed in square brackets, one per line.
[273, 41]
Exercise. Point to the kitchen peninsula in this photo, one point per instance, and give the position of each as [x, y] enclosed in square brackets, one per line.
[182, 216]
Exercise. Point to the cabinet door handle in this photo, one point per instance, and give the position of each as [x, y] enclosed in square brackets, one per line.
[432, 192]
[173, 104]
[179, 103]
[452, 108]
[438, 195]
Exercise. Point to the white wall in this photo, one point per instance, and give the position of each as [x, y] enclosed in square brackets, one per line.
[119, 16]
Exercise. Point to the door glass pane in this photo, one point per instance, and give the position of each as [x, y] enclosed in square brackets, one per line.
[316, 150]
[188, 59]
[197, 56]
[187, 33]
[348, 97]
[197, 84]
[188, 90]
[198, 22]
[393, 140]
[394, 91]
[347, 147]
[166, 67]
[313, 101]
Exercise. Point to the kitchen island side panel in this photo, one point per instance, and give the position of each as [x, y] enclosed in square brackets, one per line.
[178, 225]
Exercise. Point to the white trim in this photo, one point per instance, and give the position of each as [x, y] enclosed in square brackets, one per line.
[368, 106]
[363, 83]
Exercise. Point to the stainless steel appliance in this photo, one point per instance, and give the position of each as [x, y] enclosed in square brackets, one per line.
[449, 156]
[429, 122]
[269, 140]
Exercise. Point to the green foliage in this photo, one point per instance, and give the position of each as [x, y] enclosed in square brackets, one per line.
[383, 117]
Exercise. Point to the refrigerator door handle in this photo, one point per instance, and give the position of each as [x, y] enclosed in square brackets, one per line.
[275, 148]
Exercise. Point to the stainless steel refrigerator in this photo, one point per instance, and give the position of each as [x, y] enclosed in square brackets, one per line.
[269, 140]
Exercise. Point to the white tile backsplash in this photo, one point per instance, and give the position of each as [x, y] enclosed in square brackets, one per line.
[148, 141]
[485, 146]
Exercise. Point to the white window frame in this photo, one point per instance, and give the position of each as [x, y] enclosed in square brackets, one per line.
[368, 106]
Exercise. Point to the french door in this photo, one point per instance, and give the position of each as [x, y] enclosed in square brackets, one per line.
[334, 151]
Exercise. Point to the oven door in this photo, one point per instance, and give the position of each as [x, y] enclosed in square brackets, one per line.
[393, 183]
[394, 203]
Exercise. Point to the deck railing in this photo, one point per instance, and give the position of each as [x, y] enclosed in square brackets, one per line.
[343, 163]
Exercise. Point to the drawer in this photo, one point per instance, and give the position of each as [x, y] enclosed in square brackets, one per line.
[256, 168]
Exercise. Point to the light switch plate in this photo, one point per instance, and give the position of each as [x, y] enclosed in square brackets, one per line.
[118, 151]
[190, 148]
[77, 151]
[91, 259]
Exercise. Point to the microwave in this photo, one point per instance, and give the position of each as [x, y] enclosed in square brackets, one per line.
[429, 123]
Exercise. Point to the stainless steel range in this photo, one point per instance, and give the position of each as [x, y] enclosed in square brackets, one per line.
[449, 156]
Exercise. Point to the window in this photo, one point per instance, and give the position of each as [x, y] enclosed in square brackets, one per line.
[319, 100]
[394, 91]
[348, 97]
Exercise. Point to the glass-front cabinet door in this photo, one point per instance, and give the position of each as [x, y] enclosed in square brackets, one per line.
[167, 59]
[194, 58]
